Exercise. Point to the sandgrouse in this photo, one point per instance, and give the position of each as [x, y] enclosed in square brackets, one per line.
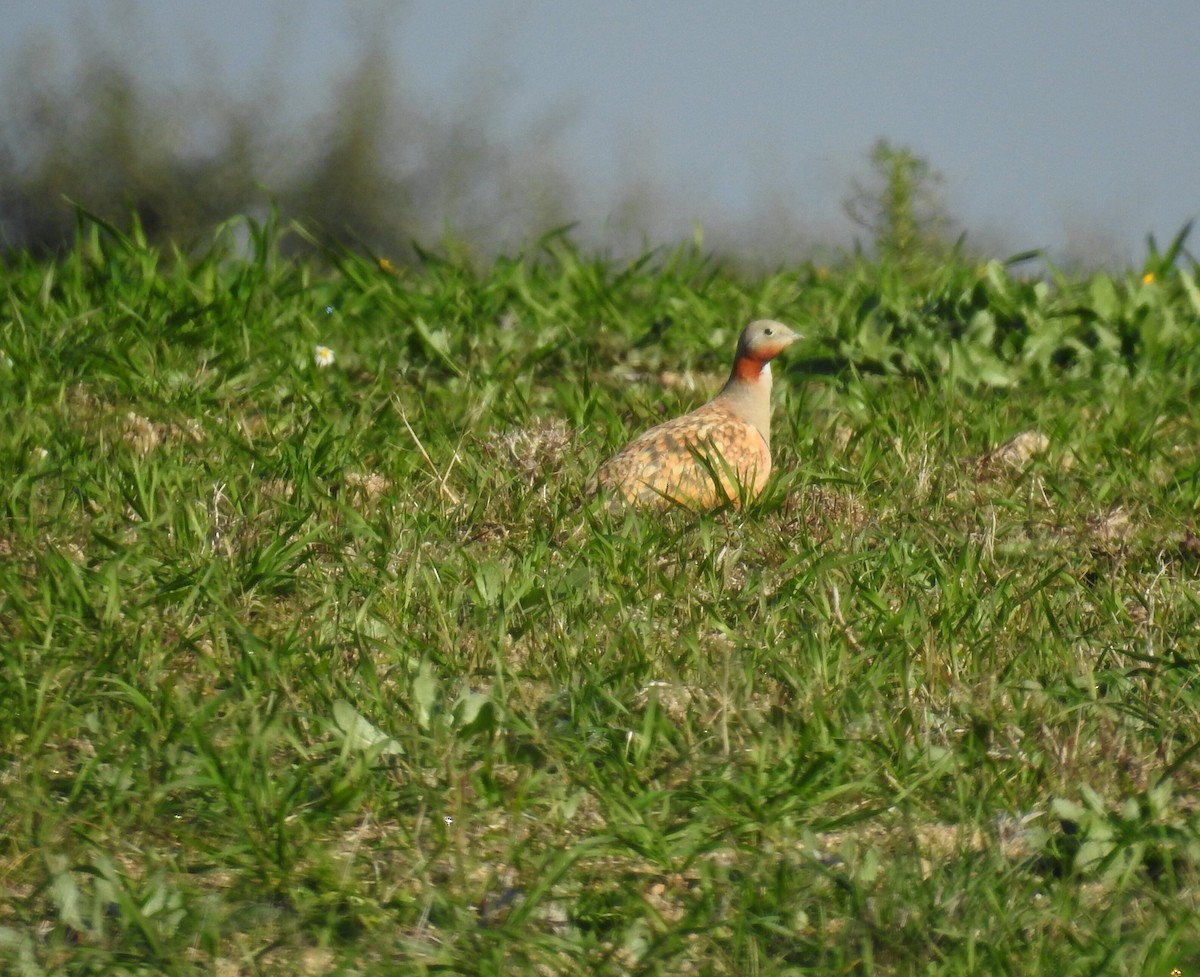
[718, 452]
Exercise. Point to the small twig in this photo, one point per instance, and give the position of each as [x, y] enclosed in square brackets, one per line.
[441, 479]
[1149, 626]
[214, 513]
[835, 602]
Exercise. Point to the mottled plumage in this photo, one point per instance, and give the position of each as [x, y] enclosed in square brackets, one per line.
[718, 452]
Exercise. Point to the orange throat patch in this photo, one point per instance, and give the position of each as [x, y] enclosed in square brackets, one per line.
[750, 368]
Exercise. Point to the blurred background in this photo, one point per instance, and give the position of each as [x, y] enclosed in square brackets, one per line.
[776, 130]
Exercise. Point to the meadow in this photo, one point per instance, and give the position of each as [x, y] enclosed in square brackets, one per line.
[316, 659]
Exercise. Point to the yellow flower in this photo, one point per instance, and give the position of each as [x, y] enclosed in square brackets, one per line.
[1149, 278]
[323, 357]
[387, 266]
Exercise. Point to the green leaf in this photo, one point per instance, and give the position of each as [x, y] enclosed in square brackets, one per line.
[360, 735]
[436, 343]
[425, 693]
[65, 895]
[1188, 280]
[489, 581]
[1104, 299]
[1068, 810]
[475, 713]
[998, 278]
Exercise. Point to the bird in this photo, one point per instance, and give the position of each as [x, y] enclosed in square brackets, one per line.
[718, 453]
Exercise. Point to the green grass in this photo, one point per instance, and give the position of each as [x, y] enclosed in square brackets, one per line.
[335, 671]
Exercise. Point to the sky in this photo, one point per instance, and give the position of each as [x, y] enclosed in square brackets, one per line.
[1062, 124]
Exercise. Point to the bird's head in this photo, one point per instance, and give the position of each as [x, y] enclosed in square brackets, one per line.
[761, 342]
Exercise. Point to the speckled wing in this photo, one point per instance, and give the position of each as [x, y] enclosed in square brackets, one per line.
[685, 460]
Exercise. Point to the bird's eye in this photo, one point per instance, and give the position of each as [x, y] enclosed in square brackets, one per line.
[768, 332]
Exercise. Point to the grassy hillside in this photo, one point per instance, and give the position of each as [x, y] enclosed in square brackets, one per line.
[324, 669]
